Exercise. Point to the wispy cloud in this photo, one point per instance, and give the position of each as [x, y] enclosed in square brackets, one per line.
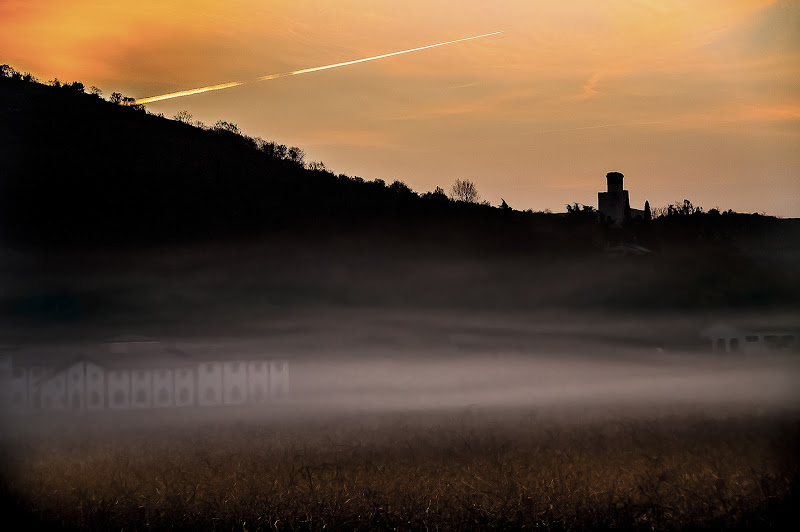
[598, 126]
[590, 87]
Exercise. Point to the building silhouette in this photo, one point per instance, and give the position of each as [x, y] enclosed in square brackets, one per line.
[726, 338]
[614, 204]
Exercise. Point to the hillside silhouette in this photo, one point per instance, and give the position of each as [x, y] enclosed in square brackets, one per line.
[86, 182]
[82, 171]
[78, 169]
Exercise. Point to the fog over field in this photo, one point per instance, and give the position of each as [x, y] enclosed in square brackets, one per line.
[561, 367]
[399, 420]
[449, 398]
[648, 382]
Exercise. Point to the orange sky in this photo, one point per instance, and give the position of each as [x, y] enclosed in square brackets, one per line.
[695, 99]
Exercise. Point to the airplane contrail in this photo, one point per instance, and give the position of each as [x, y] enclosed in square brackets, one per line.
[189, 92]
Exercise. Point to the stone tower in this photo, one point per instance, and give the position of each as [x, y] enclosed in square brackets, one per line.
[614, 202]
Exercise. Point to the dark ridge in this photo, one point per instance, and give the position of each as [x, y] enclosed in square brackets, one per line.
[86, 181]
[81, 171]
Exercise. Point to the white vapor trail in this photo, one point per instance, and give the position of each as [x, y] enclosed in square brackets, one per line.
[189, 92]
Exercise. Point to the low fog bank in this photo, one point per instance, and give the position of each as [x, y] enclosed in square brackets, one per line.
[617, 381]
[425, 362]
[609, 384]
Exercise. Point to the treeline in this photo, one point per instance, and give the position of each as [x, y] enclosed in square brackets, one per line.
[78, 171]
[81, 169]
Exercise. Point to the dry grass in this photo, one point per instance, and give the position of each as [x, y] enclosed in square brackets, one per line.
[400, 472]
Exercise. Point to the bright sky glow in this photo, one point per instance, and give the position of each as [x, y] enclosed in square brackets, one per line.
[696, 99]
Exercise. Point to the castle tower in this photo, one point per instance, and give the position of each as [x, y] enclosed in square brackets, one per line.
[614, 202]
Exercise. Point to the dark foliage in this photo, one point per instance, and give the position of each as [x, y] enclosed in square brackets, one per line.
[79, 172]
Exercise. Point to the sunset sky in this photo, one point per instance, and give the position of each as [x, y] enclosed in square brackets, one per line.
[696, 99]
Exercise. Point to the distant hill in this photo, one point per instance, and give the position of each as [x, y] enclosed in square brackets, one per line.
[78, 169]
[99, 203]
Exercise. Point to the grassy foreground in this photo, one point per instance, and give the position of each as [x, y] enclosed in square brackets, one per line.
[451, 472]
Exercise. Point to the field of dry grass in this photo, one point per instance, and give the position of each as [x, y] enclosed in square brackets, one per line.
[449, 471]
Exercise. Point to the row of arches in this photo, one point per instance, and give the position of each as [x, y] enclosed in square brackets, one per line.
[87, 385]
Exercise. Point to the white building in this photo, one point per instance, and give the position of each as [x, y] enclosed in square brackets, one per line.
[729, 339]
[185, 386]
[209, 383]
[138, 375]
[234, 382]
[163, 387]
[278, 379]
[95, 386]
[258, 381]
[53, 390]
[118, 391]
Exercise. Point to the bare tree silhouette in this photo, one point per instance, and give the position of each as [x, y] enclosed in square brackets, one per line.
[464, 191]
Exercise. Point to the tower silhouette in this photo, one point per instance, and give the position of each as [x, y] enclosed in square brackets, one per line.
[614, 202]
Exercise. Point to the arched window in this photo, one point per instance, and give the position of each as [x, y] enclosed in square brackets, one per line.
[163, 395]
[258, 392]
[76, 401]
[184, 395]
[236, 394]
[94, 398]
[141, 396]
